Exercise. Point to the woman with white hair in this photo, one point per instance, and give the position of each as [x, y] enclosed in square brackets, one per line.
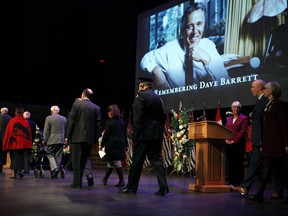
[235, 148]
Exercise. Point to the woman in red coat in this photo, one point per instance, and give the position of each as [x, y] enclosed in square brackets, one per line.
[17, 140]
[275, 137]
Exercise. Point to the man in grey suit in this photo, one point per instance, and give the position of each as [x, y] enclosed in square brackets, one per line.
[54, 137]
[83, 131]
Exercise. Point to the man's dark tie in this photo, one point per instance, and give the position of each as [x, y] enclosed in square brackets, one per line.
[188, 70]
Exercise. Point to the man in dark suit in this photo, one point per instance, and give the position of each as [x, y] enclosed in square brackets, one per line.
[83, 131]
[4, 119]
[257, 88]
[147, 135]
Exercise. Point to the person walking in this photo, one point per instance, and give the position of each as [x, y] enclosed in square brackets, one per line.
[33, 126]
[83, 131]
[147, 136]
[88, 168]
[275, 139]
[17, 140]
[4, 119]
[115, 142]
[54, 138]
[257, 88]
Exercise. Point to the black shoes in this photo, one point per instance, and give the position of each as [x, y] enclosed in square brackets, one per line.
[277, 195]
[104, 181]
[120, 184]
[162, 191]
[243, 191]
[62, 173]
[75, 185]
[54, 173]
[90, 180]
[13, 176]
[256, 197]
[21, 175]
[128, 191]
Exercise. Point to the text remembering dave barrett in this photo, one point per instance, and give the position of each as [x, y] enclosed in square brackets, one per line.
[206, 85]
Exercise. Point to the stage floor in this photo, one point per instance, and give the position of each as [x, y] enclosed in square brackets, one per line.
[36, 196]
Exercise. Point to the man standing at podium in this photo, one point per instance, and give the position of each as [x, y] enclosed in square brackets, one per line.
[257, 88]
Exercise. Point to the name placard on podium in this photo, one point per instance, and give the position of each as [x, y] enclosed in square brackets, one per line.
[210, 156]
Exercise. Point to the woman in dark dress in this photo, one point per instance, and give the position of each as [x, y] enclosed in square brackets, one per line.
[115, 142]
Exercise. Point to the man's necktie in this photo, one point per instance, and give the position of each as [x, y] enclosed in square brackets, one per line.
[188, 70]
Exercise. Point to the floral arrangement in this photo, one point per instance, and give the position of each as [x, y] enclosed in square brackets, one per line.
[182, 146]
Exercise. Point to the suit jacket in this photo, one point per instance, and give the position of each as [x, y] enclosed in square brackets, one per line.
[257, 121]
[84, 122]
[115, 139]
[275, 129]
[4, 119]
[54, 129]
[239, 128]
[148, 116]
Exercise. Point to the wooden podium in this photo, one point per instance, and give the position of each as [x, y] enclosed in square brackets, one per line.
[210, 156]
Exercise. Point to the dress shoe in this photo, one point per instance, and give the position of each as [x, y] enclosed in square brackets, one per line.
[13, 176]
[276, 195]
[128, 190]
[256, 197]
[120, 184]
[62, 173]
[243, 191]
[90, 180]
[21, 175]
[162, 191]
[75, 185]
[104, 181]
[54, 173]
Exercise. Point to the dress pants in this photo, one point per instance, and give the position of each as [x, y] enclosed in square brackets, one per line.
[54, 154]
[151, 149]
[80, 154]
[253, 167]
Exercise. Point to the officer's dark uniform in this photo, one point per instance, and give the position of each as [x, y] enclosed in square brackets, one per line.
[147, 135]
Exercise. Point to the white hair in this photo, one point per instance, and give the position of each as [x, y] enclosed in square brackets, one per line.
[27, 114]
[4, 110]
[55, 109]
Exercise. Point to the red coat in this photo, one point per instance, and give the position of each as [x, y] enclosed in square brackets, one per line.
[17, 134]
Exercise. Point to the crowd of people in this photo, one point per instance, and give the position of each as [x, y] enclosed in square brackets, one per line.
[261, 137]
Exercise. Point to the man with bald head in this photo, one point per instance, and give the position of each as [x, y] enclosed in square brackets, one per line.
[83, 131]
[257, 88]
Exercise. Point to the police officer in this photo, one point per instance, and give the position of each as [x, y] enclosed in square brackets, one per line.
[147, 135]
